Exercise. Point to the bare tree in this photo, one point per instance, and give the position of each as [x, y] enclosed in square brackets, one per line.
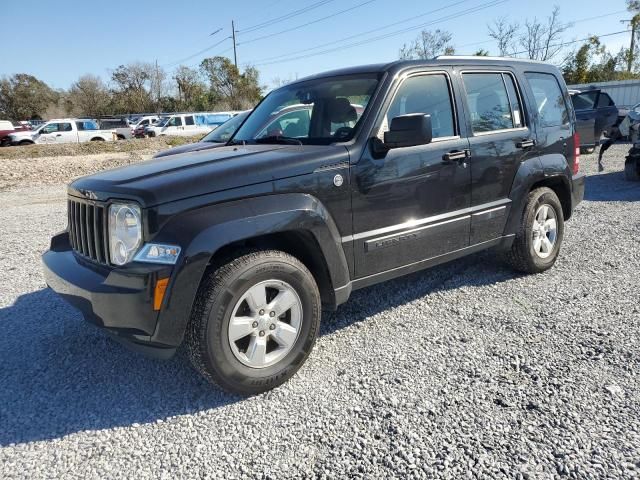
[542, 41]
[504, 33]
[88, 96]
[428, 45]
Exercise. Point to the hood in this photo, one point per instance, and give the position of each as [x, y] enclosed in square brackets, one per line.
[176, 177]
[190, 147]
[24, 134]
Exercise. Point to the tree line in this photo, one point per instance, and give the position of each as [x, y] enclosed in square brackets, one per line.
[544, 40]
[217, 84]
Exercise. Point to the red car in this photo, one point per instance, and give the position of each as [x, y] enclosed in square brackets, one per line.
[7, 128]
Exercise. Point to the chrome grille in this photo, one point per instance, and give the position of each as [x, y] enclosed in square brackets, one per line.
[87, 229]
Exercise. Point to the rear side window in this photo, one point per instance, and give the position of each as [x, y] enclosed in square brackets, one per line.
[428, 94]
[550, 104]
[188, 120]
[604, 100]
[493, 101]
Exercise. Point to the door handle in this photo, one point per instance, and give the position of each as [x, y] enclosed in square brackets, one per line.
[456, 155]
[59, 135]
[526, 143]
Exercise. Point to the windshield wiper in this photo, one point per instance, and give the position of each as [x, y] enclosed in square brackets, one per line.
[279, 139]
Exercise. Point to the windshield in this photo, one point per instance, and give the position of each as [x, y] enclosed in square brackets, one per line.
[316, 112]
[223, 133]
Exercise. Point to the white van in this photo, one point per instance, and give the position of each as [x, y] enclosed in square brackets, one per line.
[188, 124]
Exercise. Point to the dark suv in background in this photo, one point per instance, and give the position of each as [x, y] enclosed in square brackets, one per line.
[401, 166]
[596, 113]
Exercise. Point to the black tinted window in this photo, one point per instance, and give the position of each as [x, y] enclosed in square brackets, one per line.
[188, 120]
[604, 100]
[550, 104]
[427, 94]
[488, 102]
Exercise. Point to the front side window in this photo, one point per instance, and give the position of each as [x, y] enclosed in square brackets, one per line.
[488, 101]
[175, 122]
[50, 128]
[604, 100]
[188, 120]
[329, 101]
[428, 94]
[552, 109]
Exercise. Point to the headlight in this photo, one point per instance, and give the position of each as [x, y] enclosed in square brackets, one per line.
[125, 232]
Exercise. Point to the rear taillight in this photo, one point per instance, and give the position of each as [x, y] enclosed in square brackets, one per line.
[576, 153]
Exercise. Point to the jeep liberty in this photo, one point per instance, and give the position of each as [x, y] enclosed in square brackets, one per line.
[387, 170]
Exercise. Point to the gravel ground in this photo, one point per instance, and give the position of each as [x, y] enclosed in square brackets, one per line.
[464, 371]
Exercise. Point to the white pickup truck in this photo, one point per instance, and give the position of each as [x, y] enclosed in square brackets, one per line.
[64, 130]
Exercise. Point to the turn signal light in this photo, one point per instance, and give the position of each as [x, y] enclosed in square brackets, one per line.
[158, 294]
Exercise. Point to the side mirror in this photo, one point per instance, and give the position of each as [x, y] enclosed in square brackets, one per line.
[408, 131]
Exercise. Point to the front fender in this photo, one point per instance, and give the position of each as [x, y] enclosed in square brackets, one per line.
[202, 232]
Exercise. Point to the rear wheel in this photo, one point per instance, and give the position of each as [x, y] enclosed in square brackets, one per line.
[97, 139]
[540, 233]
[255, 322]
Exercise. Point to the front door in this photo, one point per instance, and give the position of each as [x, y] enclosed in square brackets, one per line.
[410, 204]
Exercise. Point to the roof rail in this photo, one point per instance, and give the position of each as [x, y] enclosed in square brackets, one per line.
[483, 57]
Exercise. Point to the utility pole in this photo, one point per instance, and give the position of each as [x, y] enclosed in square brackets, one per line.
[634, 25]
[157, 86]
[233, 36]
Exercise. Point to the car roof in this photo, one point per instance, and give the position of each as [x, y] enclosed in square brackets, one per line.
[443, 60]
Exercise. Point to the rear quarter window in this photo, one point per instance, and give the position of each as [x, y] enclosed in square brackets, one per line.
[550, 104]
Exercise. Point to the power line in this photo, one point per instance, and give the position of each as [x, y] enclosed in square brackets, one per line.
[570, 43]
[171, 64]
[287, 16]
[391, 34]
[384, 27]
[307, 24]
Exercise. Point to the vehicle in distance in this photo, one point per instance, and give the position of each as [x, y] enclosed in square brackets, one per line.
[7, 128]
[120, 125]
[214, 139]
[596, 113]
[236, 251]
[188, 124]
[64, 130]
[138, 124]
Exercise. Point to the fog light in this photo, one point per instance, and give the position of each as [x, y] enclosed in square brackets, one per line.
[157, 253]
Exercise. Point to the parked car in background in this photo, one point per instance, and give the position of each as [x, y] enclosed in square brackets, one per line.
[138, 124]
[214, 139]
[7, 128]
[596, 113]
[120, 125]
[189, 124]
[64, 130]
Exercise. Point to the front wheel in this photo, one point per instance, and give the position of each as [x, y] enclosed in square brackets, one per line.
[255, 322]
[540, 233]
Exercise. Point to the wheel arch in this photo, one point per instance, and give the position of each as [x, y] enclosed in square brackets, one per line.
[303, 229]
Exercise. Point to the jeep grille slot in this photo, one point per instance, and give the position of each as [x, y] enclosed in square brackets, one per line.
[87, 232]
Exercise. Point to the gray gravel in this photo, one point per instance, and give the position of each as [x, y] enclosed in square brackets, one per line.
[464, 371]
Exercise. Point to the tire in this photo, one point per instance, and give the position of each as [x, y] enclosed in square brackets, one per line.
[121, 137]
[631, 170]
[25, 142]
[97, 139]
[224, 299]
[526, 253]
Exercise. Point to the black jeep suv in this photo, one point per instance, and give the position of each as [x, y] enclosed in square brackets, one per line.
[389, 169]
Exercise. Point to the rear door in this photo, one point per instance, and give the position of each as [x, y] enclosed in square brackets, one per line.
[584, 104]
[189, 125]
[607, 114]
[501, 138]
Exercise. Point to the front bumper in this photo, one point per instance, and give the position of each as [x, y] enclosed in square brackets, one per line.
[120, 300]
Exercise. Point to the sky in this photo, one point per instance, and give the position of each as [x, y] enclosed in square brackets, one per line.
[58, 42]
